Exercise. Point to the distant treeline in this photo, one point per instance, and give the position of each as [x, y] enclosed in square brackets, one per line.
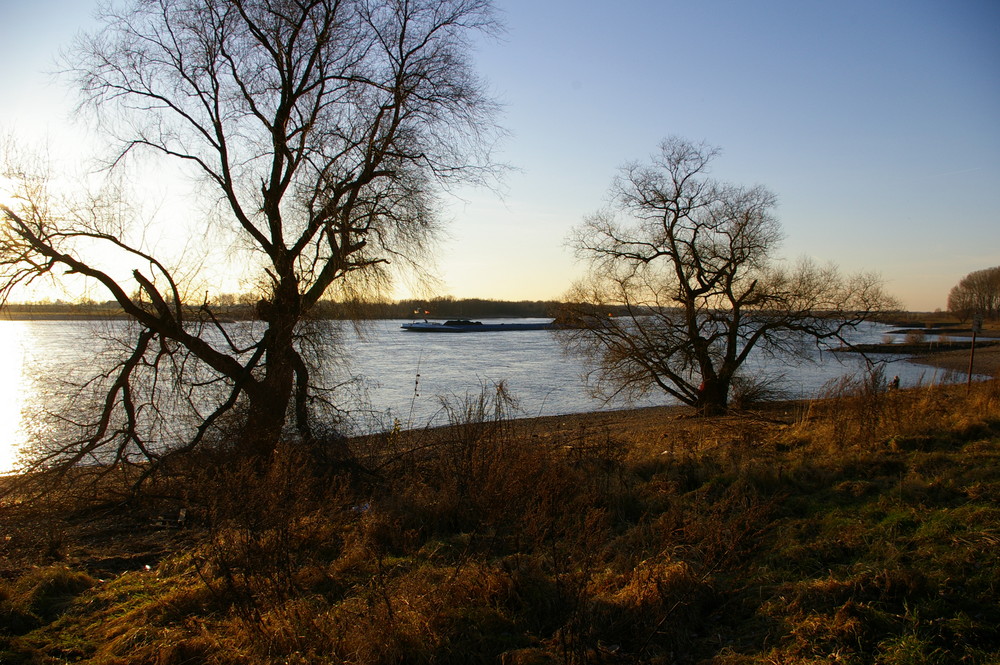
[441, 308]
[60, 310]
[437, 308]
[434, 308]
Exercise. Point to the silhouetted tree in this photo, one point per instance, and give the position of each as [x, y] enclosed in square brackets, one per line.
[686, 263]
[976, 293]
[325, 129]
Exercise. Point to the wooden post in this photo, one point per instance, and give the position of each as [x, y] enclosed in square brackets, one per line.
[977, 323]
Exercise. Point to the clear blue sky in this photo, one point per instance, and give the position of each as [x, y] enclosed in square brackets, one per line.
[877, 124]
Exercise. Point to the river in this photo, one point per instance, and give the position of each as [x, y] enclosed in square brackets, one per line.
[401, 376]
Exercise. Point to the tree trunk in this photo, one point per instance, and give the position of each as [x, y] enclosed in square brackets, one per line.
[713, 398]
[266, 418]
[271, 397]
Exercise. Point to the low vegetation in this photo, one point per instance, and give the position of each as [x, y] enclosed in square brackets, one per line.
[860, 528]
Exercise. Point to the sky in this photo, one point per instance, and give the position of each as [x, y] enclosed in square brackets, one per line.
[876, 124]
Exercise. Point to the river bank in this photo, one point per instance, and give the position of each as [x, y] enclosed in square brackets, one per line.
[616, 541]
[986, 358]
[985, 362]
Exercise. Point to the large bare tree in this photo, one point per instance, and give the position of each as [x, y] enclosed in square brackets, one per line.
[325, 130]
[683, 285]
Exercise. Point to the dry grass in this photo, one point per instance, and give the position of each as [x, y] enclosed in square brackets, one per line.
[859, 528]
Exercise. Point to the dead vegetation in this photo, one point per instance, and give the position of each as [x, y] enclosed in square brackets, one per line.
[859, 528]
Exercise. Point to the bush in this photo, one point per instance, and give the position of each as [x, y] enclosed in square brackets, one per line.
[862, 404]
[749, 391]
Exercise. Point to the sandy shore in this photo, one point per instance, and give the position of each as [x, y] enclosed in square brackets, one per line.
[642, 423]
[986, 360]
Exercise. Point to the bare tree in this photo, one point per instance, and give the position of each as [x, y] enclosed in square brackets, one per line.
[324, 128]
[682, 284]
[976, 293]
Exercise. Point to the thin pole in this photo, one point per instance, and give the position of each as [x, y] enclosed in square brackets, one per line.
[972, 355]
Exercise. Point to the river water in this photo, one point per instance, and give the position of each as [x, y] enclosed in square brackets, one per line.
[401, 376]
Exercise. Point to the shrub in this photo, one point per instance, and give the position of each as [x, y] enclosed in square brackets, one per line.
[862, 405]
[749, 391]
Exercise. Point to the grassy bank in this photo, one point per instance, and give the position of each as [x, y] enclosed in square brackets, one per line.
[859, 529]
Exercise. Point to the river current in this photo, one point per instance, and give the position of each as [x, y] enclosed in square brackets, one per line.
[402, 377]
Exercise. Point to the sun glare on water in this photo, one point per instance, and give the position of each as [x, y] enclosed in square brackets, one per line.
[11, 392]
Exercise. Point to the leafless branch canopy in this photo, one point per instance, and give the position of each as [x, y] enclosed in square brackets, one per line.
[325, 128]
[685, 264]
